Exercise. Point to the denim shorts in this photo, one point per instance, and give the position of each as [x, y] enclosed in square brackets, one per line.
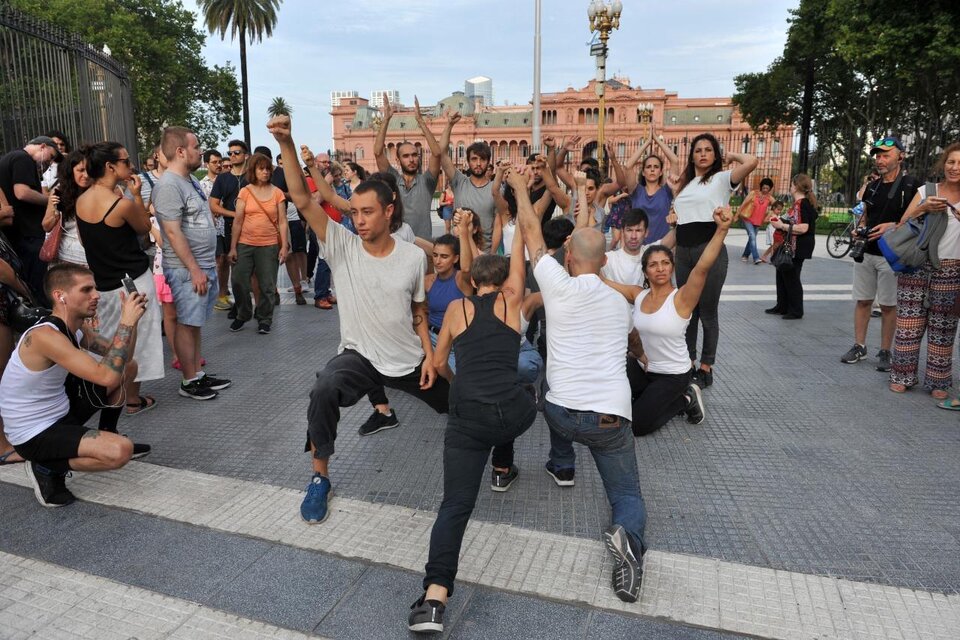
[192, 309]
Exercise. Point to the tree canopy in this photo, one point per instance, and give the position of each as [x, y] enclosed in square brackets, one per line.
[868, 68]
[159, 44]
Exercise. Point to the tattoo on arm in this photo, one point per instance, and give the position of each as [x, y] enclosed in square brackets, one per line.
[116, 357]
[90, 434]
[98, 345]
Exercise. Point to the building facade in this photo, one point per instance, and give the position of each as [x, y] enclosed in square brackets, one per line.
[376, 97]
[337, 96]
[573, 112]
[479, 87]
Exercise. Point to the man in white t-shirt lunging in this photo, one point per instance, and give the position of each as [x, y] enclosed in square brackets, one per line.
[596, 414]
[623, 264]
[383, 315]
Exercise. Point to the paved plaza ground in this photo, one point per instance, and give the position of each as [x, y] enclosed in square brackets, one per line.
[811, 503]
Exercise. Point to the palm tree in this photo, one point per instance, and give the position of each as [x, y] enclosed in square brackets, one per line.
[246, 19]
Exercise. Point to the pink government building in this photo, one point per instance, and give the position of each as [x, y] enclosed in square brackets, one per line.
[570, 113]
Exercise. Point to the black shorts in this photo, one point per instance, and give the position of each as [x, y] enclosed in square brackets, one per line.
[223, 246]
[298, 237]
[61, 440]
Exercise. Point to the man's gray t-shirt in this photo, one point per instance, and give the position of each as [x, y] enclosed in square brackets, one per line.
[479, 199]
[374, 297]
[416, 201]
[176, 198]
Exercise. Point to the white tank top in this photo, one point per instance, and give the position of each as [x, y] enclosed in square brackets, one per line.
[663, 335]
[31, 401]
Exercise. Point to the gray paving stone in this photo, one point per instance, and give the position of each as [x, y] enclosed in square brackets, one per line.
[605, 626]
[490, 615]
[376, 607]
[289, 587]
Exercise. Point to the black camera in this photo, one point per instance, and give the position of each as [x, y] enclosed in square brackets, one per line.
[859, 243]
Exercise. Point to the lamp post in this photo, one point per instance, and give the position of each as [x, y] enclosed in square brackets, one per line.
[645, 109]
[604, 17]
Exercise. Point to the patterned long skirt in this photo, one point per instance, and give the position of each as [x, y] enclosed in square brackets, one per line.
[924, 304]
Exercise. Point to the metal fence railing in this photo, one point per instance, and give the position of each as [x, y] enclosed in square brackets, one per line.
[50, 79]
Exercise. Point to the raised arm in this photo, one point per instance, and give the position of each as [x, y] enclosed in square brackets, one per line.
[562, 174]
[514, 283]
[527, 221]
[51, 216]
[668, 154]
[133, 211]
[688, 296]
[449, 169]
[607, 189]
[499, 201]
[582, 212]
[380, 142]
[434, 165]
[628, 291]
[746, 164]
[310, 209]
[324, 191]
[554, 190]
[467, 248]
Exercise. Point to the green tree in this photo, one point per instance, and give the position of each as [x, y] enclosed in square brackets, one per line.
[244, 19]
[159, 45]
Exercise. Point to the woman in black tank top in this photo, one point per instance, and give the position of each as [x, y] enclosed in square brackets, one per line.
[488, 410]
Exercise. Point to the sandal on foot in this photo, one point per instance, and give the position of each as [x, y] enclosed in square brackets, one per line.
[898, 388]
[4, 459]
[950, 405]
[939, 394]
[145, 404]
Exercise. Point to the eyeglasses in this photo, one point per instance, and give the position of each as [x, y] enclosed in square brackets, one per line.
[886, 142]
[235, 153]
[125, 161]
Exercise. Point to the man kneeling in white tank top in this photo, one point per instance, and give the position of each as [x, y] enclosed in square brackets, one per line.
[52, 386]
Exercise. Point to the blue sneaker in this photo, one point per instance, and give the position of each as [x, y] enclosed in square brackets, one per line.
[313, 509]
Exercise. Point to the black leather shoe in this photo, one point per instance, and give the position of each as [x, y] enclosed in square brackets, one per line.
[791, 316]
[774, 311]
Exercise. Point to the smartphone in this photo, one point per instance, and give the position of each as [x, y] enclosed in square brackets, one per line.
[128, 284]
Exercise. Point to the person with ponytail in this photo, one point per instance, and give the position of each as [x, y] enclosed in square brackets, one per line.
[800, 232]
[109, 226]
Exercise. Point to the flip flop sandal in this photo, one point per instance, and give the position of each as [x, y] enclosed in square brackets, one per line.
[950, 405]
[4, 461]
[146, 403]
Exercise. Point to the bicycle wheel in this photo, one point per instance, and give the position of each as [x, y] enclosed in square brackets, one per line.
[839, 240]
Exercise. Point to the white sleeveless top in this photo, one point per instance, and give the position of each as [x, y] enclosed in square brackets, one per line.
[663, 335]
[31, 401]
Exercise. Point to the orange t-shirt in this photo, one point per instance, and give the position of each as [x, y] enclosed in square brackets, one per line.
[260, 218]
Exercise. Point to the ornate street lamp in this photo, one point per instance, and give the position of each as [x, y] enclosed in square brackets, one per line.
[604, 17]
[645, 111]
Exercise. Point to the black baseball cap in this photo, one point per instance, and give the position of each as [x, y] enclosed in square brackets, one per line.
[48, 141]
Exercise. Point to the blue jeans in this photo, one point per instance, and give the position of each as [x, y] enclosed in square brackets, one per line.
[610, 440]
[321, 281]
[530, 363]
[451, 359]
[751, 247]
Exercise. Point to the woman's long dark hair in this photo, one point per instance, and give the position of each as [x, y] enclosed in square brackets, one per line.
[690, 171]
[360, 171]
[67, 187]
[98, 155]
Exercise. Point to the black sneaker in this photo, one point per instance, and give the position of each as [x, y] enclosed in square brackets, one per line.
[856, 353]
[426, 616]
[197, 390]
[217, 384]
[140, 450]
[883, 360]
[232, 314]
[49, 487]
[702, 378]
[263, 328]
[500, 481]
[626, 571]
[694, 411]
[378, 422]
[236, 325]
[563, 477]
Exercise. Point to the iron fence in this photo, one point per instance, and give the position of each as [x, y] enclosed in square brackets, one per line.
[52, 80]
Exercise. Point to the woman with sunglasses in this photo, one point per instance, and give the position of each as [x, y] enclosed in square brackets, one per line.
[110, 225]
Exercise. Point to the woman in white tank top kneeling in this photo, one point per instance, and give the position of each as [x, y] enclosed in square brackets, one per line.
[659, 363]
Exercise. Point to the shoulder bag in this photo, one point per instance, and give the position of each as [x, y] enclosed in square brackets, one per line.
[782, 258]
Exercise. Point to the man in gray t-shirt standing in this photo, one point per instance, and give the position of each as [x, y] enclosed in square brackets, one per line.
[189, 256]
[416, 188]
[382, 308]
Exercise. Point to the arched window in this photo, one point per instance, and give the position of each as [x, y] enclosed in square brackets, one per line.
[581, 119]
[358, 153]
[746, 144]
[761, 148]
[461, 151]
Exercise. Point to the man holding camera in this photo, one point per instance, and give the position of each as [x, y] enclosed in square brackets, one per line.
[885, 199]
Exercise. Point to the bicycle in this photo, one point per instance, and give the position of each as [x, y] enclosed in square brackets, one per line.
[840, 237]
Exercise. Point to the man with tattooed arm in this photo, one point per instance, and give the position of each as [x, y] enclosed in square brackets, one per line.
[52, 386]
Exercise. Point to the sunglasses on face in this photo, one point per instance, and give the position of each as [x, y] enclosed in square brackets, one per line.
[235, 153]
[125, 161]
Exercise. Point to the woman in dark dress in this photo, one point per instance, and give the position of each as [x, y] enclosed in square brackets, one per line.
[802, 229]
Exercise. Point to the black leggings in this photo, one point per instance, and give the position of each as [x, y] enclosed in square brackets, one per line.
[657, 397]
[707, 311]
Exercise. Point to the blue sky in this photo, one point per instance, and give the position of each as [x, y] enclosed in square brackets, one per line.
[429, 47]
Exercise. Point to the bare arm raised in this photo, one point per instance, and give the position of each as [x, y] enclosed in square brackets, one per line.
[380, 143]
[280, 128]
[433, 167]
